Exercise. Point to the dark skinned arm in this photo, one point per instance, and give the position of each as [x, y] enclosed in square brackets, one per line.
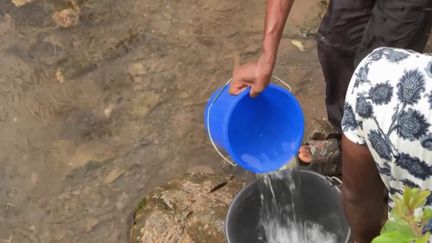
[257, 74]
[362, 192]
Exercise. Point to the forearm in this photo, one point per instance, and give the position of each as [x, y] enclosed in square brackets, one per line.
[276, 14]
[362, 192]
[364, 214]
[257, 74]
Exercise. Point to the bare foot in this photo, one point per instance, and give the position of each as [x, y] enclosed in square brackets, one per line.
[319, 150]
[305, 154]
[322, 156]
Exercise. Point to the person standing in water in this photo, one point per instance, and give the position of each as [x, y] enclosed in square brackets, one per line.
[348, 32]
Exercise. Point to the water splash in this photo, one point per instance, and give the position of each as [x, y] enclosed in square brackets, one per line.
[281, 213]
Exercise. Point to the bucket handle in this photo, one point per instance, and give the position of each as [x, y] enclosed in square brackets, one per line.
[335, 182]
[225, 158]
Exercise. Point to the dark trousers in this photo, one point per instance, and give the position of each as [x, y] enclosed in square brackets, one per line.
[351, 29]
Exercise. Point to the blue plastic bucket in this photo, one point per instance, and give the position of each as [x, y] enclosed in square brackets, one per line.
[260, 134]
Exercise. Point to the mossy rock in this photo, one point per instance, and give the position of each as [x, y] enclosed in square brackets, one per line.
[191, 209]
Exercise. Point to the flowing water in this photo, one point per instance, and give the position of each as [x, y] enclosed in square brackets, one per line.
[281, 215]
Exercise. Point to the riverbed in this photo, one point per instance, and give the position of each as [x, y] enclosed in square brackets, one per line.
[95, 113]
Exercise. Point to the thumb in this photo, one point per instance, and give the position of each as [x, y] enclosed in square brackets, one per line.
[253, 92]
[237, 87]
[256, 90]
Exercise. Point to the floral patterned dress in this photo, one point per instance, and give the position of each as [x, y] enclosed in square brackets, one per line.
[388, 108]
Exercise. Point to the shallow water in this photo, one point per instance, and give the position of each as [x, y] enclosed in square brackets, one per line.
[96, 115]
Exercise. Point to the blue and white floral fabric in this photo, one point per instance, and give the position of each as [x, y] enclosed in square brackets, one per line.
[388, 107]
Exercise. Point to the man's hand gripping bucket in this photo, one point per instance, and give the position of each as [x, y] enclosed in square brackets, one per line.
[271, 125]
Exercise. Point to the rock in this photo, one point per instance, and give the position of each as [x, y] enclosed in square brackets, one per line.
[120, 205]
[59, 234]
[62, 149]
[108, 111]
[34, 178]
[322, 129]
[6, 24]
[189, 210]
[19, 3]
[49, 51]
[90, 223]
[91, 151]
[136, 69]
[59, 76]
[113, 175]
[67, 17]
[201, 169]
[298, 44]
[182, 123]
[7, 33]
[145, 104]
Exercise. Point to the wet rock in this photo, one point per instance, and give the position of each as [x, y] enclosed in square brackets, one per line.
[19, 3]
[74, 66]
[34, 178]
[310, 28]
[142, 142]
[22, 236]
[136, 69]
[136, 72]
[113, 175]
[59, 234]
[6, 31]
[298, 44]
[146, 103]
[67, 17]
[90, 223]
[59, 76]
[47, 52]
[190, 209]
[201, 169]
[322, 130]
[62, 149]
[108, 111]
[6, 24]
[12, 192]
[182, 122]
[91, 151]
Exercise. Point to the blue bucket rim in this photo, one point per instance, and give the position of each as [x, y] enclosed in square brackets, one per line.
[228, 117]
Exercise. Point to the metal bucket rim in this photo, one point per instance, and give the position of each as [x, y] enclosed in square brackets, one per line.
[325, 178]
